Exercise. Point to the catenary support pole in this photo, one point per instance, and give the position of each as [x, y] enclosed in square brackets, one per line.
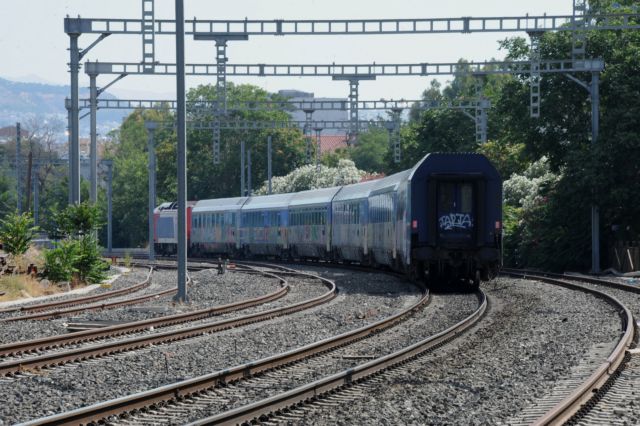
[69, 154]
[151, 129]
[182, 154]
[93, 155]
[269, 164]
[595, 211]
[242, 169]
[36, 195]
[18, 170]
[318, 147]
[109, 206]
[74, 128]
[249, 188]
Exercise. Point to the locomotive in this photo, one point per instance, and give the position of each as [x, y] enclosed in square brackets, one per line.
[439, 221]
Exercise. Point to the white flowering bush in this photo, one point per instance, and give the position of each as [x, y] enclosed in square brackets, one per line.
[524, 190]
[308, 177]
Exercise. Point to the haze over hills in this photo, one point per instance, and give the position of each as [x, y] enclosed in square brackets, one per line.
[24, 102]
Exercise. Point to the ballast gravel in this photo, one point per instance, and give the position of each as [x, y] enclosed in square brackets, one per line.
[363, 298]
[25, 330]
[533, 335]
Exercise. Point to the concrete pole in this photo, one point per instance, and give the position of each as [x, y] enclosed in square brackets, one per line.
[74, 129]
[318, 146]
[269, 165]
[69, 171]
[93, 95]
[182, 154]
[242, 169]
[249, 188]
[18, 171]
[595, 211]
[36, 195]
[109, 207]
[151, 129]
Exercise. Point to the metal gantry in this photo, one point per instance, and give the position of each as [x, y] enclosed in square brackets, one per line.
[342, 71]
[338, 27]
[148, 34]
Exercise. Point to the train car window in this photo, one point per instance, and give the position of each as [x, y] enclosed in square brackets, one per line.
[446, 196]
[466, 198]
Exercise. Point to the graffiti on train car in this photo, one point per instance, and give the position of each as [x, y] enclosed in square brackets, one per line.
[453, 221]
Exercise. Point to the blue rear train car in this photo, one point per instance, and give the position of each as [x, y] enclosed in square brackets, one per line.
[441, 220]
[456, 217]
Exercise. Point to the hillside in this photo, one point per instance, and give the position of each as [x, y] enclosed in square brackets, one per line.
[23, 101]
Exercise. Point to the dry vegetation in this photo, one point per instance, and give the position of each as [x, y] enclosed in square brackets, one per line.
[23, 286]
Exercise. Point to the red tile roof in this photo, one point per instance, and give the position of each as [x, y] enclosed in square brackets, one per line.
[330, 143]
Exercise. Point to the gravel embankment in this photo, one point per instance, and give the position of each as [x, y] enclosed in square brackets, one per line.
[443, 312]
[25, 330]
[532, 337]
[363, 298]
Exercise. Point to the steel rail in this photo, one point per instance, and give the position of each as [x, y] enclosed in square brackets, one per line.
[180, 390]
[570, 405]
[345, 378]
[81, 300]
[59, 358]
[45, 343]
[590, 280]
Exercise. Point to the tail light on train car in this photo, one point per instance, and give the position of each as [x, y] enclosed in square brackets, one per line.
[498, 225]
[414, 224]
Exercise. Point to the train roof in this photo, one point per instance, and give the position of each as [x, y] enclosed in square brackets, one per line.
[276, 201]
[390, 183]
[314, 197]
[220, 204]
[356, 191]
[454, 163]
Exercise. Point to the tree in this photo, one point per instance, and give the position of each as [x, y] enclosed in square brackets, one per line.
[205, 180]
[308, 177]
[370, 152]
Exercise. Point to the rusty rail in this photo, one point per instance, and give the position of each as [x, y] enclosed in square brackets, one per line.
[569, 406]
[81, 300]
[53, 359]
[136, 326]
[164, 394]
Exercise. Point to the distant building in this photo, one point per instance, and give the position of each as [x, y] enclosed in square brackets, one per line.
[330, 143]
[9, 134]
[320, 115]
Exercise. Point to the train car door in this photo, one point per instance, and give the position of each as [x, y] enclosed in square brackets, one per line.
[456, 215]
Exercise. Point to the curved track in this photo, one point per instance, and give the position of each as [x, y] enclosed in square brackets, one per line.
[581, 390]
[58, 357]
[196, 386]
[43, 311]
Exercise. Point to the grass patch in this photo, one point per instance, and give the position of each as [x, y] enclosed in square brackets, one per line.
[23, 286]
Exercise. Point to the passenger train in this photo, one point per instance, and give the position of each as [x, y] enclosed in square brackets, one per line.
[440, 220]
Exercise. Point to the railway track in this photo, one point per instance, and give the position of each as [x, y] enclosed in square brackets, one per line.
[573, 398]
[14, 362]
[278, 364]
[48, 310]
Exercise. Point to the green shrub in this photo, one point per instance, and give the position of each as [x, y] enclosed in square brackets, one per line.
[16, 233]
[76, 256]
[91, 268]
[77, 220]
[60, 262]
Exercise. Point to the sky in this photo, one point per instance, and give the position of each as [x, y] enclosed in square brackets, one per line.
[34, 47]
